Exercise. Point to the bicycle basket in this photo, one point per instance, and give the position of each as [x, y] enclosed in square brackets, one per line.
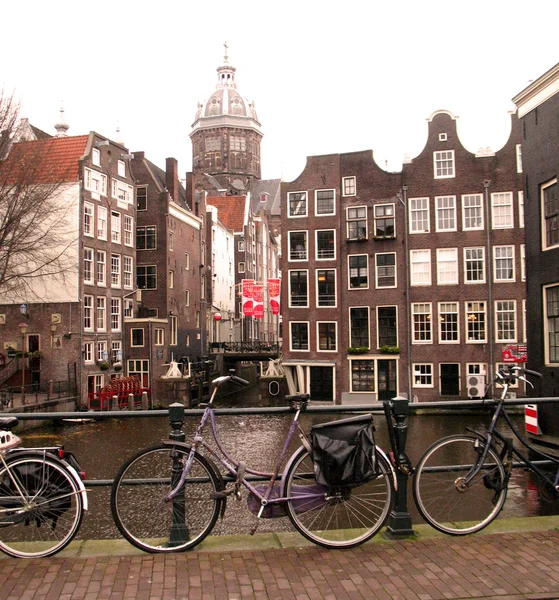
[344, 451]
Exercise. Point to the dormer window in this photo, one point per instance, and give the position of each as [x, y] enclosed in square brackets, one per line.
[96, 157]
[443, 137]
[443, 163]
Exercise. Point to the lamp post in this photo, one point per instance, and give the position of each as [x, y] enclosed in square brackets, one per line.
[52, 332]
[23, 330]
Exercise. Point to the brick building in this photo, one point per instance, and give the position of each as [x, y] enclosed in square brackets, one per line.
[406, 283]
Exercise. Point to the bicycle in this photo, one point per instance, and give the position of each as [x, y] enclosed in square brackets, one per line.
[167, 498]
[461, 481]
[42, 496]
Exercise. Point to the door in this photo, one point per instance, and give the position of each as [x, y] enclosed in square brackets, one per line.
[450, 379]
[387, 381]
[34, 346]
[322, 383]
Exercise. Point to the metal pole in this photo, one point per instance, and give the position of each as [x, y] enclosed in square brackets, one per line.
[179, 531]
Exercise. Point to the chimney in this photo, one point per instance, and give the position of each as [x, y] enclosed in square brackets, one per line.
[189, 187]
[172, 178]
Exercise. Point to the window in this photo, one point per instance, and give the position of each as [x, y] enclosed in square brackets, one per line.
[102, 222]
[519, 158]
[88, 266]
[299, 336]
[146, 277]
[128, 228]
[362, 375]
[385, 270]
[187, 297]
[522, 262]
[128, 308]
[357, 223]
[101, 313]
[420, 263]
[121, 168]
[475, 322]
[95, 182]
[327, 337]
[241, 267]
[384, 220]
[236, 142]
[474, 265]
[127, 272]
[115, 314]
[116, 351]
[422, 319]
[174, 330]
[172, 241]
[447, 266]
[505, 321]
[139, 368]
[96, 157]
[443, 164]
[503, 263]
[359, 327]
[349, 186]
[115, 270]
[102, 353]
[387, 326]
[171, 279]
[298, 245]
[448, 322]
[141, 198]
[88, 352]
[101, 267]
[298, 289]
[446, 213]
[122, 192]
[88, 211]
[551, 324]
[501, 210]
[419, 215]
[187, 261]
[325, 244]
[443, 137]
[297, 202]
[88, 313]
[115, 227]
[472, 212]
[550, 210]
[159, 337]
[137, 336]
[521, 209]
[358, 271]
[212, 144]
[423, 375]
[324, 202]
[326, 287]
[146, 238]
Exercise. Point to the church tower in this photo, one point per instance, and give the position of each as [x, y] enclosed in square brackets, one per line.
[226, 137]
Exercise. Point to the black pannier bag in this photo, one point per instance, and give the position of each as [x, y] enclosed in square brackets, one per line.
[343, 451]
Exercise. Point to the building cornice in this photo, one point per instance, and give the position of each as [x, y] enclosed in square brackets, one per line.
[538, 92]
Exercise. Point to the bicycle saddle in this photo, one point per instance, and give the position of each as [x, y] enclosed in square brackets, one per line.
[8, 423]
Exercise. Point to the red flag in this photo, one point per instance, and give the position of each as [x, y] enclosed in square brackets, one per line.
[274, 287]
[258, 296]
[248, 293]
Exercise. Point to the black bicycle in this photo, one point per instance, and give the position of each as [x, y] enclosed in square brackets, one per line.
[460, 483]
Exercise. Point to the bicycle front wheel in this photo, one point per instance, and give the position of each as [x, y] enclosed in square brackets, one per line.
[139, 499]
[441, 494]
[41, 507]
[340, 518]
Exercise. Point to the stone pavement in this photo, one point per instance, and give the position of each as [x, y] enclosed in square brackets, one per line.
[512, 560]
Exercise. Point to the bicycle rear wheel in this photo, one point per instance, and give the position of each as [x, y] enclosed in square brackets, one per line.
[41, 507]
[337, 518]
[142, 513]
[439, 491]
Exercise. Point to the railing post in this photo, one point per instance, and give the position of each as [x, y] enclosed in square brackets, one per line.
[399, 522]
[179, 531]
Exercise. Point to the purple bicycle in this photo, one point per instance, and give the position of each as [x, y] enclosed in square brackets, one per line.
[168, 497]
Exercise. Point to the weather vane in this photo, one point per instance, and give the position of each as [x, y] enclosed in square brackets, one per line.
[226, 48]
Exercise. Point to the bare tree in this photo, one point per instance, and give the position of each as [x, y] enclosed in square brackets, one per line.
[38, 213]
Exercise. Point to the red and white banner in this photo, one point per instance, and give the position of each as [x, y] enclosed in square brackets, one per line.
[531, 419]
[274, 292]
[258, 296]
[248, 295]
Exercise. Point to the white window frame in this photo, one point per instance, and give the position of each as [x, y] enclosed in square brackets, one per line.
[302, 200]
[349, 186]
[422, 308]
[519, 158]
[127, 272]
[173, 330]
[95, 182]
[421, 277]
[509, 310]
[357, 219]
[472, 203]
[102, 226]
[335, 305]
[242, 267]
[88, 316]
[88, 353]
[445, 210]
[521, 209]
[291, 348]
[128, 308]
[321, 258]
[522, 262]
[293, 257]
[159, 337]
[384, 217]
[116, 267]
[102, 351]
[96, 157]
[129, 231]
[88, 266]
[378, 307]
[446, 274]
[470, 260]
[121, 168]
[368, 309]
[502, 258]
[306, 305]
[444, 166]
[88, 219]
[116, 321]
[349, 268]
[380, 287]
[444, 309]
[116, 224]
[419, 207]
[101, 268]
[547, 333]
[479, 308]
[132, 344]
[122, 192]
[101, 317]
[502, 210]
[422, 375]
[318, 348]
[544, 218]
[325, 214]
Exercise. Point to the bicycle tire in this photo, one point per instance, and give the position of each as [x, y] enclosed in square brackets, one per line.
[142, 513]
[47, 518]
[440, 499]
[339, 519]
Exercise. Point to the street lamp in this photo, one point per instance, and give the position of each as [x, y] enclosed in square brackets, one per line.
[52, 332]
[23, 330]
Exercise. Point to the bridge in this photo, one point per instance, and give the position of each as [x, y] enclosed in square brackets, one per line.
[255, 350]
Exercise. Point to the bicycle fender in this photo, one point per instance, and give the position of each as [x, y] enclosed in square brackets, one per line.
[210, 462]
[392, 470]
[80, 484]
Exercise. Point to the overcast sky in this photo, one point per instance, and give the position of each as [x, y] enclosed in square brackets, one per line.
[326, 77]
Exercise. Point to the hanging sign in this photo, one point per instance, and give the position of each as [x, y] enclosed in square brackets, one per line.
[258, 295]
[274, 290]
[247, 301]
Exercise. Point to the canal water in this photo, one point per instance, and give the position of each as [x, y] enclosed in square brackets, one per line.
[102, 446]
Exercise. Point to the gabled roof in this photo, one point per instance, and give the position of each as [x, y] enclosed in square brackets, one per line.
[52, 160]
[232, 210]
[270, 189]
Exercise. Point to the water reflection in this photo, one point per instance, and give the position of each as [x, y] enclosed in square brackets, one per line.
[102, 446]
